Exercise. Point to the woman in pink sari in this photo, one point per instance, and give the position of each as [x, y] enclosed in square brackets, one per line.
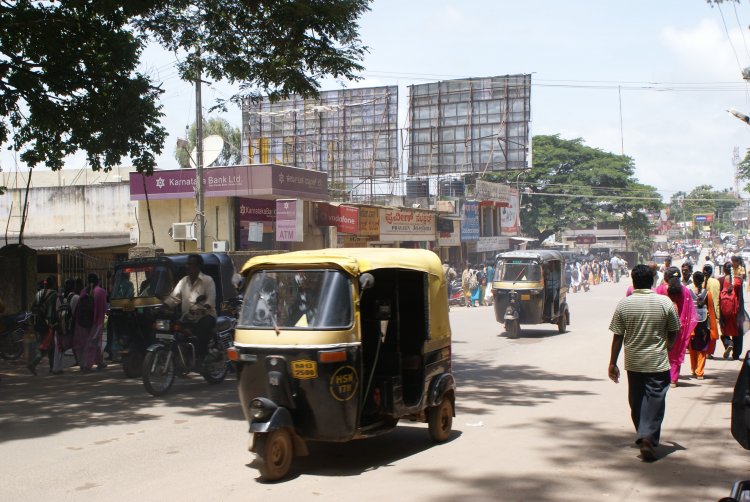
[683, 301]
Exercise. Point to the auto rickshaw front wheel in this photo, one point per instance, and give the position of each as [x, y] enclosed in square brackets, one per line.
[440, 420]
[512, 328]
[275, 453]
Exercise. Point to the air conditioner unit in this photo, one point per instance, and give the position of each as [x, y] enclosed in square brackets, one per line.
[221, 246]
[183, 231]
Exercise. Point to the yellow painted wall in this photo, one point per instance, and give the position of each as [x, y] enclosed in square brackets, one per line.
[166, 212]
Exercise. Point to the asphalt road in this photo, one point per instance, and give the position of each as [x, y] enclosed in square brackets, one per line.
[537, 419]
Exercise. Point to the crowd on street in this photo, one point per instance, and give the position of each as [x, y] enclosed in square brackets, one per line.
[669, 312]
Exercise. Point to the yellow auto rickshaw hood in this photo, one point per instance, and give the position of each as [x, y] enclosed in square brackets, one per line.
[354, 261]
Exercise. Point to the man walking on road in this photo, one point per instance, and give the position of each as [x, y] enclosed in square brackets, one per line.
[647, 325]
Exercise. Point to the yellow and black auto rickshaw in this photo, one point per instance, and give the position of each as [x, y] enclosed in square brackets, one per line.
[339, 344]
[529, 288]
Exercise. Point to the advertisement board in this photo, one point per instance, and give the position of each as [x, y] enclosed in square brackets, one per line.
[470, 221]
[346, 133]
[469, 125]
[344, 218]
[510, 216]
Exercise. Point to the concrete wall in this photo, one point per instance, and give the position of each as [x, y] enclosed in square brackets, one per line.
[102, 208]
[220, 224]
[219, 214]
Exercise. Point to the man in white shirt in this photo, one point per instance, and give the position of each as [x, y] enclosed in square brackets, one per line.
[201, 314]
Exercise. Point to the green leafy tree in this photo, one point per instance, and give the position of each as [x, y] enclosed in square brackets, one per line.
[68, 82]
[231, 154]
[68, 78]
[703, 199]
[275, 47]
[572, 185]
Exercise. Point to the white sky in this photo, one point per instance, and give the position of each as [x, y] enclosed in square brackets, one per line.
[678, 138]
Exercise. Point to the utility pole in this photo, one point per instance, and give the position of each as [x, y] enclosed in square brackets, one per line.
[199, 211]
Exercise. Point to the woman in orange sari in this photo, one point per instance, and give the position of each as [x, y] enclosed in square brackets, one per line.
[706, 330]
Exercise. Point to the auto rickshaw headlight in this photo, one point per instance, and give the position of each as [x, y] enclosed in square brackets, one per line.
[261, 409]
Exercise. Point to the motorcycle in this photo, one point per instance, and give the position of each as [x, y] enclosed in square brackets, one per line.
[174, 352]
[12, 329]
[456, 293]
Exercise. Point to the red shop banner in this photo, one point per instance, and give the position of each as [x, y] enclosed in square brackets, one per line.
[344, 218]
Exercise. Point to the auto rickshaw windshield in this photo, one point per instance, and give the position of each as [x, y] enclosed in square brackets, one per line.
[142, 281]
[517, 269]
[297, 299]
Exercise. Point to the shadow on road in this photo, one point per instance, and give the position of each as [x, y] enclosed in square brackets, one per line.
[356, 457]
[44, 405]
[593, 463]
[489, 386]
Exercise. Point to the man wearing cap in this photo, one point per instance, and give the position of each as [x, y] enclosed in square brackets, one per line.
[646, 324]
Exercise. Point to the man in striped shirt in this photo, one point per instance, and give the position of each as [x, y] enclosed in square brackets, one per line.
[647, 325]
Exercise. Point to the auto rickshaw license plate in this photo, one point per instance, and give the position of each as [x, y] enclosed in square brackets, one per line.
[304, 369]
[525, 297]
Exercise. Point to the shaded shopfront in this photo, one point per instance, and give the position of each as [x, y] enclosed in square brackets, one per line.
[241, 203]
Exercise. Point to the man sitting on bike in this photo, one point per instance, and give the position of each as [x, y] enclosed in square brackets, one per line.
[196, 293]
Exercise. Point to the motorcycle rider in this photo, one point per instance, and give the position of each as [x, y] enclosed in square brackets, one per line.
[196, 293]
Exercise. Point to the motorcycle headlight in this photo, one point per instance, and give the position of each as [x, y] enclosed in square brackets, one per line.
[162, 325]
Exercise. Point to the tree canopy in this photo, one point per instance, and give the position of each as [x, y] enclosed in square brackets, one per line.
[572, 185]
[231, 155]
[703, 199]
[69, 79]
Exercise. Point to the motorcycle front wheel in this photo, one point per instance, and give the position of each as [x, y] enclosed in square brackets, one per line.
[158, 371]
[14, 345]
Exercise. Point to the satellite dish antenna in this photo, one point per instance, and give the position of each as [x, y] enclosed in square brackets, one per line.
[212, 147]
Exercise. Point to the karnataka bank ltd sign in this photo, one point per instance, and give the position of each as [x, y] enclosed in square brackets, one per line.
[235, 181]
[406, 225]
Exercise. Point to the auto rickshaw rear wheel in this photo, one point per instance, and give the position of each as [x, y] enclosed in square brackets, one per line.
[275, 453]
[132, 364]
[562, 322]
[440, 420]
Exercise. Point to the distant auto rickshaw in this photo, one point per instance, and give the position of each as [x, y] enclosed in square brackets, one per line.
[340, 344]
[529, 288]
[660, 257]
[138, 291]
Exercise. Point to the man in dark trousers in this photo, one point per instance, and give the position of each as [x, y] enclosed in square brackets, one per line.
[646, 324]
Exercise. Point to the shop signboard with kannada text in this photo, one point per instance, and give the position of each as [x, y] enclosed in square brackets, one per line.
[406, 225]
[369, 222]
[704, 218]
[470, 221]
[289, 220]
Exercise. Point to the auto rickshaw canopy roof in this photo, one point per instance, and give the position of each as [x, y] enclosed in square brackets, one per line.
[357, 261]
[354, 261]
[539, 254]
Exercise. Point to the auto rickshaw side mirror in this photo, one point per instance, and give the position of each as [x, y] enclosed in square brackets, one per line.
[366, 281]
